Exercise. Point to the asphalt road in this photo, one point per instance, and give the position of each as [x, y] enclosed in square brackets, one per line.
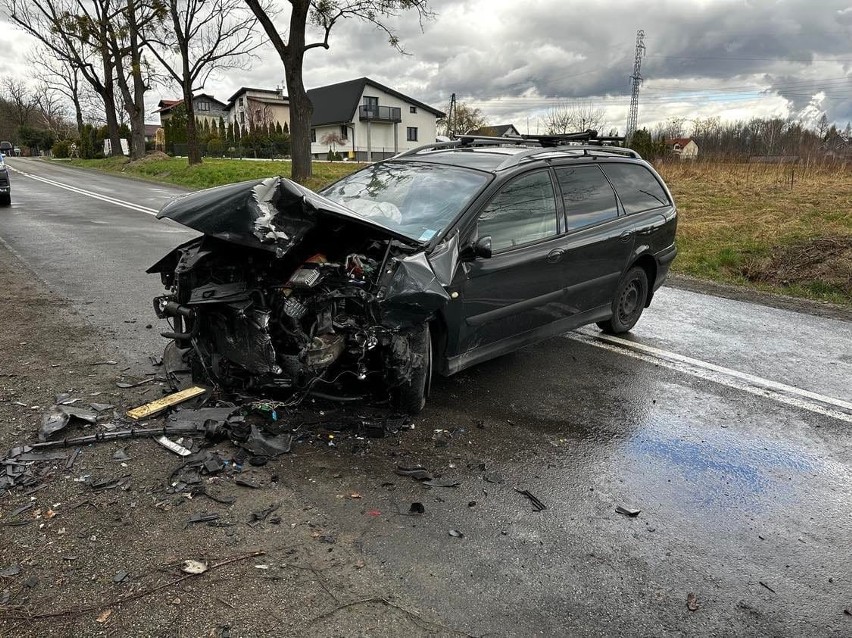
[726, 423]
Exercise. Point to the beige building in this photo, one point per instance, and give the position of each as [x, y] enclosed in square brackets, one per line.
[258, 107]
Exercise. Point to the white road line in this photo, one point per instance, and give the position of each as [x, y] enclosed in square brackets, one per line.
[783, 393]
[81, 191]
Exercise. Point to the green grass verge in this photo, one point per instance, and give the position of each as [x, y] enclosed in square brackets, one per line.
[213, 172]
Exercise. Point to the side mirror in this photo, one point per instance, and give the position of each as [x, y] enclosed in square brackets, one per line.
[480, 248]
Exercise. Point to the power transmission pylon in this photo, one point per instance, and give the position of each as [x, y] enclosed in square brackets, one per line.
[636, 81]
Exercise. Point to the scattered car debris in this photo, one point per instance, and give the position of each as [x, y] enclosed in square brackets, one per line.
[494, 477]
[441, 482]
[60, 416]
[416, 472]
[538, 506]
[455, 533]
[691, 601]
[417, 508]
[104, 616]
[191, 566]
[766, 586]
[203, 517]
[161, 405]
[626, 511]
[172, 446]
[12, 570]
[120, 576]
[135, 384]
[120, 455]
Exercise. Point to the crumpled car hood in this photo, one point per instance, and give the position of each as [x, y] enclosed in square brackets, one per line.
[271, 213]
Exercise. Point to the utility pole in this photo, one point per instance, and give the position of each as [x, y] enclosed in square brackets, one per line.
[451, 116]
[636, 81]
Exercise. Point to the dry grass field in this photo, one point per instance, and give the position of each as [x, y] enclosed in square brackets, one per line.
[782, 228]
[779, 228]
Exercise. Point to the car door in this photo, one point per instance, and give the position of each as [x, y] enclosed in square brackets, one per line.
[519, 288]
[647, 204]
[598, 239]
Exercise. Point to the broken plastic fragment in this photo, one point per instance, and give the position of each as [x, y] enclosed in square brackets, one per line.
[172, 446]
[11, 570]
[417, 508]
[193, 567]
[456, 533]
[627, 511]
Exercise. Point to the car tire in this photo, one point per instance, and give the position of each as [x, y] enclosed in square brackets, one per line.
[628, 302]
[410, 396]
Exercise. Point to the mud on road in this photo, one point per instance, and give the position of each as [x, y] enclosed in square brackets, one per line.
[80, 561]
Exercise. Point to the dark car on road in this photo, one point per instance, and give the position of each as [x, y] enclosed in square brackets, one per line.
[5, 184]
[432, 261]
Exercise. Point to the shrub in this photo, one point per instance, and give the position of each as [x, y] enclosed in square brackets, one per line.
[61, 149]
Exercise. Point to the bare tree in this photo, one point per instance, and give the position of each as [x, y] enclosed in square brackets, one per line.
[125, 38]
[199, 37]
[292, 46]
[570, 117]
[462, 119]
[60, 76]
[75, 30]
[51, 110]
[22, 99]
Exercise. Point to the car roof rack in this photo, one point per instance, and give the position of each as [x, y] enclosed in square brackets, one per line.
[587, 142]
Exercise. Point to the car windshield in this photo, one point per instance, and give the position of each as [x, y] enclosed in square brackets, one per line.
[414, 199]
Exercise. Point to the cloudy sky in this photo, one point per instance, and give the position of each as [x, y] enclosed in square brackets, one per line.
[515, 60]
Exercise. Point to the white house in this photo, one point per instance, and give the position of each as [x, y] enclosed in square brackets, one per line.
[685, 147]
[367, 121]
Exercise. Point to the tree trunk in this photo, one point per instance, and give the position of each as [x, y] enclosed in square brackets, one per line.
[193, 153]
[301, 111]
[137, 118]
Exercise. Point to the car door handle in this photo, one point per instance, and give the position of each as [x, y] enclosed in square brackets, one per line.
[625, 236]
[555, 256]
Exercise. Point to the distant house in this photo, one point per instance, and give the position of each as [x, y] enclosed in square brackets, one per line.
[368, 121]
[502, 130]
[684, 147]
[151, 132]
[206, 107]
[251, 108]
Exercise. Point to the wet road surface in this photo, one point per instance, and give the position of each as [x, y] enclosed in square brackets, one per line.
[726, 423]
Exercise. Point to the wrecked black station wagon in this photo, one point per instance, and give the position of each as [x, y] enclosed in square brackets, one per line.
[429, 262]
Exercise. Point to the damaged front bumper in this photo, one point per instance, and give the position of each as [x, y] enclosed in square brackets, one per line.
[285, 290]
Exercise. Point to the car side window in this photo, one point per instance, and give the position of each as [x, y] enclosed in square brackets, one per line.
[587, 195]
[523, 212]
[638, 189]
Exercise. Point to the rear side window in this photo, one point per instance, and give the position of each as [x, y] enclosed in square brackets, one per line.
[587, 195]
[638, 189]
[522, 213]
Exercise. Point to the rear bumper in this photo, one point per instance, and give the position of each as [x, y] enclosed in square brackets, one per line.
[664, 260]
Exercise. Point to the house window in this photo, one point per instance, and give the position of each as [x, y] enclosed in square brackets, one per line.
[313, 135]
[242, 117]
[204, 106]
[411, 134]
[344, 131]
[412, 109]
[240, 101]
[257, 116]
[371, 104]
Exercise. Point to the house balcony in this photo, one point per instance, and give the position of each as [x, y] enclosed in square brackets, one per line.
[379, 113]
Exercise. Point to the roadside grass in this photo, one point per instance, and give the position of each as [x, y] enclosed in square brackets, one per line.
[213, 172]
[778, 228]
